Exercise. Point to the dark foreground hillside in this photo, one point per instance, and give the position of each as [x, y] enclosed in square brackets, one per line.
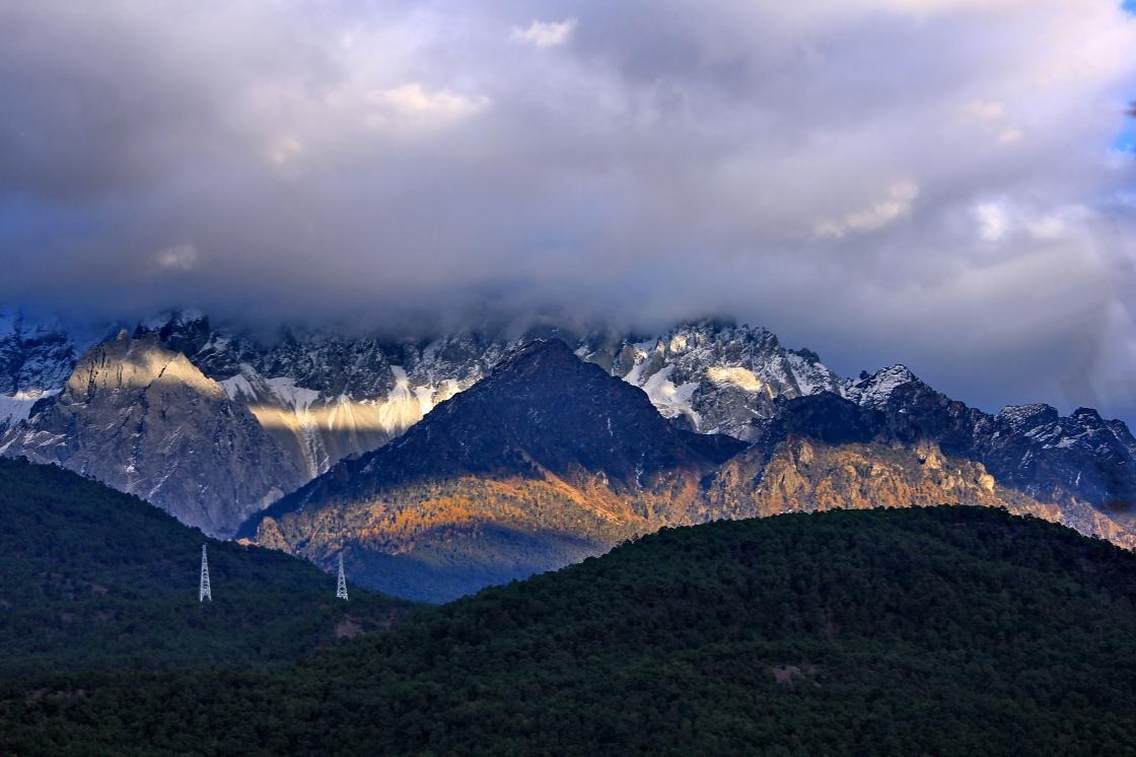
[93, 578]
[939, 631]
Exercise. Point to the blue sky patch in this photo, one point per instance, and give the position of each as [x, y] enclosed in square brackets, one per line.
[1125, 141]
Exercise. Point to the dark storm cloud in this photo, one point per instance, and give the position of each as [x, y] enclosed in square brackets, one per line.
[880, 180]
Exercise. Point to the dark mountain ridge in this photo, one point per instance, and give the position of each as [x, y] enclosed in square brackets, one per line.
[918, 631]
[550, 459]
[547, 460]
[1081, 458]
[562, 417]
[98, 579]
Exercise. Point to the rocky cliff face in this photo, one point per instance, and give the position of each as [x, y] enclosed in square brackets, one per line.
[549, 460]
[324, 397]
[714, 377]
[892, 440]
[321, 397]
[36, 357]
[1078, 460]
[1081, 458]
[222, 421]
[145, 420]
[803, 474]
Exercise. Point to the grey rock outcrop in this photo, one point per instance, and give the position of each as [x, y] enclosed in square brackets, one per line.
[145, 420]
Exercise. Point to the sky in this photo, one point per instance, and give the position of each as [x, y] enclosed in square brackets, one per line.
[943, 183]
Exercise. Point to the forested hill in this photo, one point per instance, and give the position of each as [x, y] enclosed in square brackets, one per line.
[94, 578]
[937, 631]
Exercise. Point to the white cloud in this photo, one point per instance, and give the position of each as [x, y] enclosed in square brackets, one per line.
[1003, 219]
[284, 149]
[544, 33]
[992, 117]
[992, 221]
[180, 257]
[1010, 135]
[940, 6]
[896, 204]
[985, 110]
[710, 147]
[413, 101]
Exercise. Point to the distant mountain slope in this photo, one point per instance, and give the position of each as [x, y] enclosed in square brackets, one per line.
[1077, 463]
[323, 394]
[145, 420]
[327, 396]
[895, 441]
[36, 356]
[947, 631]
[546, 461]
[550, 460]
[218, 422]
[714, 376]
[94, 578]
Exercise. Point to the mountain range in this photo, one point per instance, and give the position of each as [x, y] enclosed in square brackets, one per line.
[437, 466]
[320, 396]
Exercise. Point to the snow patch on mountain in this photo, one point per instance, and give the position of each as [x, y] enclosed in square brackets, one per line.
[1022, 418]
[717, 377]
[16, 408]
[735, 375]
[669, 399]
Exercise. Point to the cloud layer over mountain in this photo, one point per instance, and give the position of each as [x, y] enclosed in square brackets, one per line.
[943, 182]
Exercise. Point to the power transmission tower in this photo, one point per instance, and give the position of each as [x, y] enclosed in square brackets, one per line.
[341, 582]
[204, 592]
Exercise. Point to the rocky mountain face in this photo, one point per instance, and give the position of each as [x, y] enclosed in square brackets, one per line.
[546, 461]
[549, 460]
[146, 421]
[1075, 462]
[326, 397]
[323, 396]
[213, 423]
[893, 440]
[36, 357]
[714, 377]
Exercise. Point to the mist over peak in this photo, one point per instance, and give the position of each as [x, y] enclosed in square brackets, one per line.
[419, 169]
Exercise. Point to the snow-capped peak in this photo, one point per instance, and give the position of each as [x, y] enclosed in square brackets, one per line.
[876, 390]
[1021, 418]
[168, 319]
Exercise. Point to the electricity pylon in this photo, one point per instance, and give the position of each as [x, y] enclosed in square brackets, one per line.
[341, 582]
[204, 592]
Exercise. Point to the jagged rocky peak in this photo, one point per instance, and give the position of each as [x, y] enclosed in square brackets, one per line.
[172, 322]
[1083, 427]
[145, 420]
[547, 460]
[127, 363]
[326, 396]
[328, 392]
[714, 376]
[1023, 418]
[37, 355]
[543, 402]
[185, 331]
[876, 389]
